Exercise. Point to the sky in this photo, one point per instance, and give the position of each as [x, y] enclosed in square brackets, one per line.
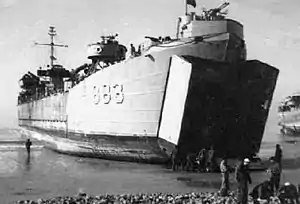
[271, 29]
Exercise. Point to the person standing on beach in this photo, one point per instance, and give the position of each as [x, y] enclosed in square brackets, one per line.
[210, 159]
[278, 155]
[275, 172]
[174, 158]
[243, 178]
[225, 177]
[201, 160]
[28, 144]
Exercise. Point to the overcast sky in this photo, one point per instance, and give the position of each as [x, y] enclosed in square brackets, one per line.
[272, 34]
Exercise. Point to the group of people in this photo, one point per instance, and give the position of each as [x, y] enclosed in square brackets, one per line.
[243, 177]
[156, 41]
[203, 161]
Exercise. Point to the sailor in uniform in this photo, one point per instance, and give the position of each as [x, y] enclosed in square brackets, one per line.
[243, 178]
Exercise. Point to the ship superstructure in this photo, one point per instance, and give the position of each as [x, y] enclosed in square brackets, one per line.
[195, 90]
[289, 115]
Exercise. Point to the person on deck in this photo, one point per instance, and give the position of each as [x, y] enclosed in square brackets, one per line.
[132, 50]
[139, 52]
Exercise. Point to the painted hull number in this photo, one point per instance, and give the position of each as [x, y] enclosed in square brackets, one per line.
[106, 94]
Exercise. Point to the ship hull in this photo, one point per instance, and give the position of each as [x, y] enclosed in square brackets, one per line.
[202, 103]
[127, 148]
[138, 110]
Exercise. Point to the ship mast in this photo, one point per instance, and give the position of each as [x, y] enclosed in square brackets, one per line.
[52, 33]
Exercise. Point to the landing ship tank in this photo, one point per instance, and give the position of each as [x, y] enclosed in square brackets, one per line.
[195, 90]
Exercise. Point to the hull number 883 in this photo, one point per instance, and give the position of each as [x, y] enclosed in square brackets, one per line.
[106, 94]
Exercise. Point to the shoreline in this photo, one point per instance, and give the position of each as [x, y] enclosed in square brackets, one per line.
[291, 160]
[14, 145]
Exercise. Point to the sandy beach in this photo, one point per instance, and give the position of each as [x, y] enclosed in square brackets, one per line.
[48, 174]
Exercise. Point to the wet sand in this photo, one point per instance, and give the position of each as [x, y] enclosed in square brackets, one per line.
[48, 174]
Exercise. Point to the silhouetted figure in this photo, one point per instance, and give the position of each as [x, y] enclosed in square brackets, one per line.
[262, 191]
[210, 159]
[169, 161]
[225, 177]
[28, 145]
[139, 52]
[282, 131]
[174, 158]
[278, 155]
[132, 50]
[289, 192]
[190, 161]
[275, 172]
[243, 178]
[202, 160]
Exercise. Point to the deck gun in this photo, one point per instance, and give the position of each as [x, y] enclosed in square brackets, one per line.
[215, 13]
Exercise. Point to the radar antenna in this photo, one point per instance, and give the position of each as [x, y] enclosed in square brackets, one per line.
[52, 33]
